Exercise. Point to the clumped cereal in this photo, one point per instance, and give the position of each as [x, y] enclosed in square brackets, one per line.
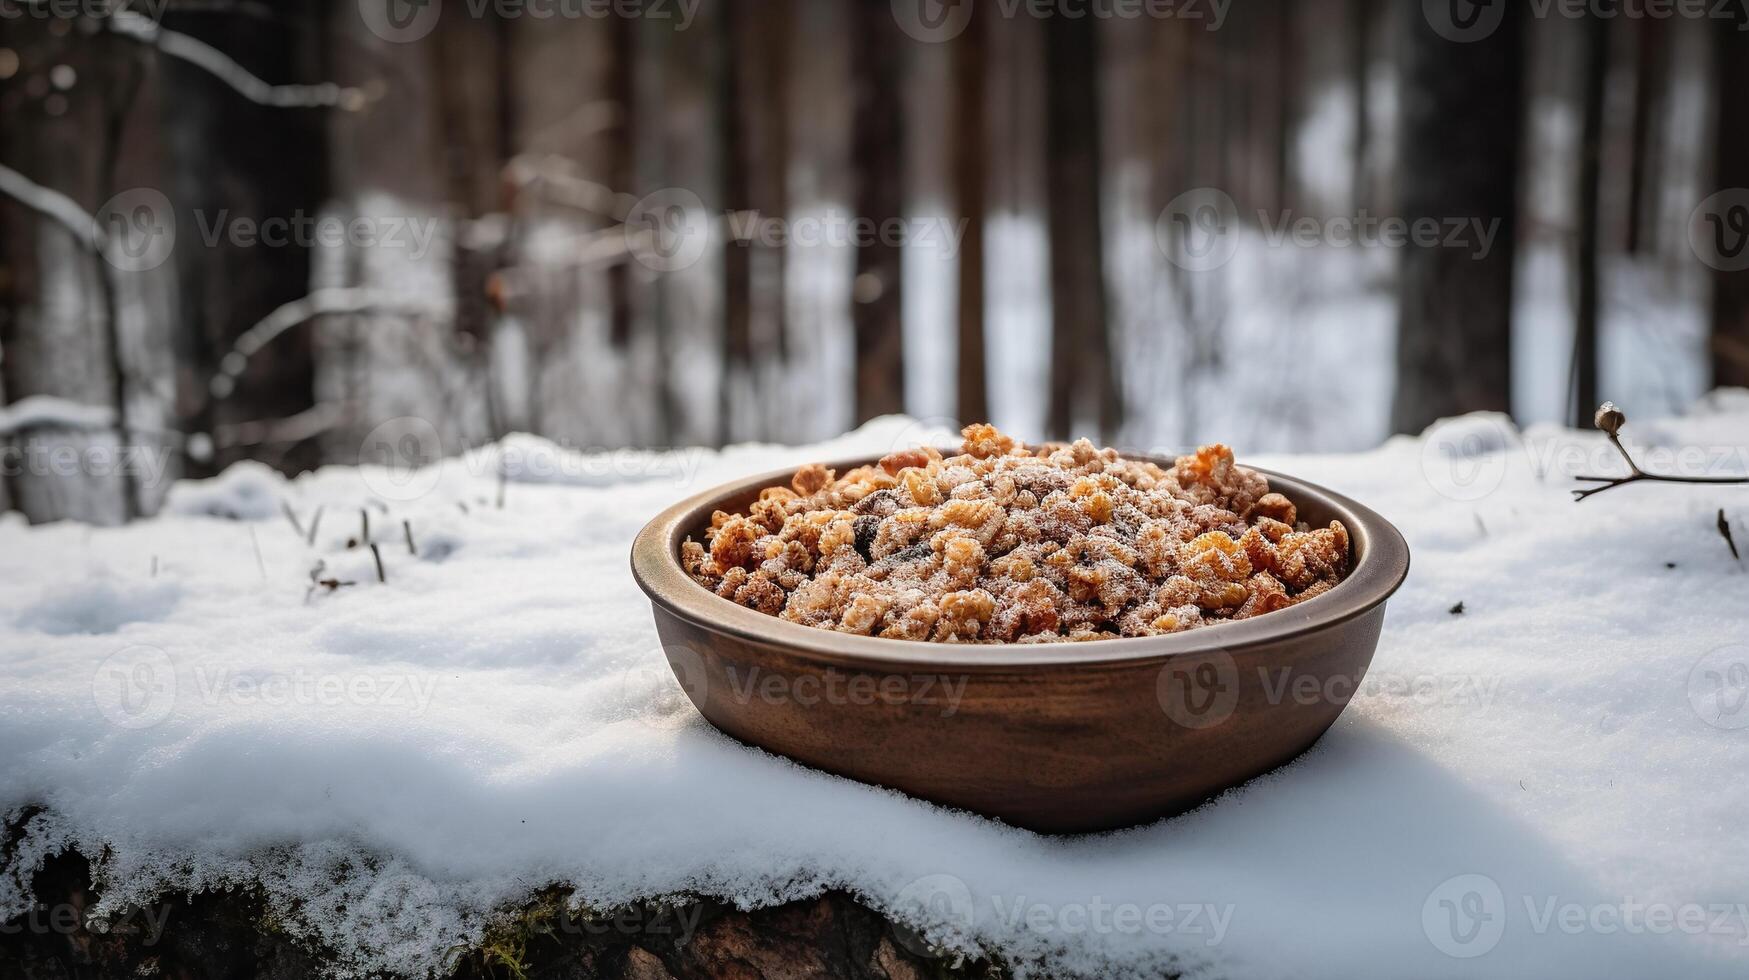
[1006, 543]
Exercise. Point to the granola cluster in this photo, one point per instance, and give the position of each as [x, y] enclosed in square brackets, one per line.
[1010, 544]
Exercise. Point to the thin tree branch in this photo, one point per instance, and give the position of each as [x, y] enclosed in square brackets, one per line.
[223, 67]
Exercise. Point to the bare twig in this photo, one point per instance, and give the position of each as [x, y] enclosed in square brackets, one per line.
[407, 529]
[1725, 532]
[321, 302]
[260, 563]
[377, 554]
[315, 522]
[292, 516]
[1610, 420]
[363, 525]
[223, 67]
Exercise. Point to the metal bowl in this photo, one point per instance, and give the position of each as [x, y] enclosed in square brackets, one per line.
[1056, 737]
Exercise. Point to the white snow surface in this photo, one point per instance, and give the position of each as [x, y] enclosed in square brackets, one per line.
[1549, 784]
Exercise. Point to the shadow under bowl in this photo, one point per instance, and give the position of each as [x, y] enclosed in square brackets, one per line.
[1055, 737]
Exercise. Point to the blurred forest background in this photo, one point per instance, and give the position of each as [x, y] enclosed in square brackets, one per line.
[636, 223]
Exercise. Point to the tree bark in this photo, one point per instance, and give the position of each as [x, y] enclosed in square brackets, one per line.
[1730, 328]
[1083, 380]
[877, 154]
[1651, 61]
[277, 172]
[970, 137]
[1595, 65]
[1458, 159]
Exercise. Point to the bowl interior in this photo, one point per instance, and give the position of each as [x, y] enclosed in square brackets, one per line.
[1380, 563]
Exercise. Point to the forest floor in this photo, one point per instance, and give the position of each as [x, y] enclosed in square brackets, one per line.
[400, 776]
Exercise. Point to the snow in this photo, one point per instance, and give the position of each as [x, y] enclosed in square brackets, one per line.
[47, 411]
[1557, 767]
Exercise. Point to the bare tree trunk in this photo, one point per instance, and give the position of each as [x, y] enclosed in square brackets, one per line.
[1083, 380]
[1595, 63]
[971, 173]
[1650, 63]
[278, 173]
[755, 157]
[1362, 17]
[1730, 329]
[877, 154]
[1458, 153]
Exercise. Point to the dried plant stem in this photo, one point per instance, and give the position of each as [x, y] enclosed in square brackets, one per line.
[1636, 475]
[407, 528]
[377, 553]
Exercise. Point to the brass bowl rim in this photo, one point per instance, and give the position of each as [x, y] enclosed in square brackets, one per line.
[1380, 568]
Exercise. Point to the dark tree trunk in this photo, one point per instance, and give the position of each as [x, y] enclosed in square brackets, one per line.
[877, 156]
[1650, 63]
[1595, 65]
[277, 172]
[622, 167]
[755, 154]
[1362, 17]
[1083, 382]
[970, 176]
[1730, 332]
[1458, 159]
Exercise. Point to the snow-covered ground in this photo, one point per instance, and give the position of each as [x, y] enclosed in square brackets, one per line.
[1548, 784]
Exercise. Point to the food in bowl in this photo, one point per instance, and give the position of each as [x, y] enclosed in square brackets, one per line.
[1005, 543]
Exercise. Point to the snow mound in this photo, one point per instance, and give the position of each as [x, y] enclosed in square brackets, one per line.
[246, 491]
[1538, 785]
